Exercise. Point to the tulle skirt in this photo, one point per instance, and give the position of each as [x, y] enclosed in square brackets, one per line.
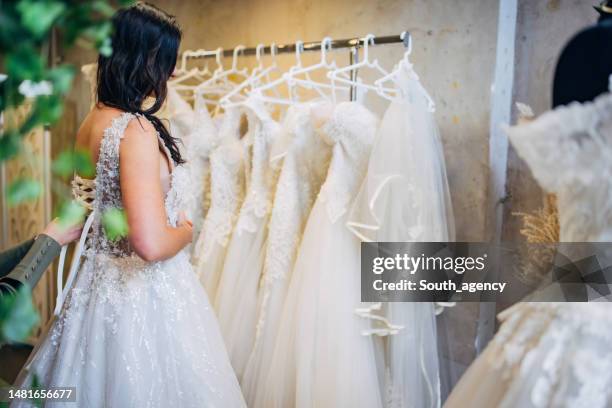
[236, 298]
[544, 355]
[269, 313]
[209, 267]
[136, 334]
[323, 356]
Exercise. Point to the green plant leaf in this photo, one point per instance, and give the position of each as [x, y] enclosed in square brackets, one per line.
[106, 48]
[61, 77]
[71, 213]
[103, 8]
[69, 162]
[10, 144]
[22, 190]
[115, 224]
[24, 62]
[38, 16]
[47, 110]
[17, 315]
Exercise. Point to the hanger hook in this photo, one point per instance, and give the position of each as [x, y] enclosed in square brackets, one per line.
[368, 39]
[273, 51]
[258, 50]
[326, 45]
[239, 48]
[184, 60]
[299, 49]
[407, 40]
[218, 54]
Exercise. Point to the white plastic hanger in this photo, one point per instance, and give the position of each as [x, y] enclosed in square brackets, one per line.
[235, 97]
[404, 64]
[259, 90]
[219, 83]
[291, 80]
[342, 75]
[307, 82]
[199, 74]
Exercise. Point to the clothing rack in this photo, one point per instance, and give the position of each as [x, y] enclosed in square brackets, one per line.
[352, 43]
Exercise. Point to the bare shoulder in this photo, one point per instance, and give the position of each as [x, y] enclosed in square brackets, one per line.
[140, 127]
[91, 130]
[140, 139]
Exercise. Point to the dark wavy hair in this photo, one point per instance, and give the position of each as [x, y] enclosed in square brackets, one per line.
[145, 43]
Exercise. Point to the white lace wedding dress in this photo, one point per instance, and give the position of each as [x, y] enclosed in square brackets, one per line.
[133, 333]
[227, 189]
[305, 157]
[199, 143]
[323, 355]
[236, 297]
[556, 354]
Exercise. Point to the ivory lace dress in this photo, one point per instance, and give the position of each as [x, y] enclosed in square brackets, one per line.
[305, 157]
[199, 143]
[227, 189]
[133, 333]
[556, 354]
[324, 356]
[236, 297]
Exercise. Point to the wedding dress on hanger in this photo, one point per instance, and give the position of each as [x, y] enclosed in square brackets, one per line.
[179, 114]
[133, 333]
[227, 189]
[556, 354]
[305, 158]
[199, 144]
[236, 296]
[324, 356]
[405, 198]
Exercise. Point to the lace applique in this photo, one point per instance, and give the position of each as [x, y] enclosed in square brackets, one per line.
[351, 130]
[557, 353]
[263, 176]
[227, 189]
[199, 144]
[107, 188]
[180, 197]
[107, 193]
[306, 158]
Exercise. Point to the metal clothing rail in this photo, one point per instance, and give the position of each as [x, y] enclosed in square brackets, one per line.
[308, 46]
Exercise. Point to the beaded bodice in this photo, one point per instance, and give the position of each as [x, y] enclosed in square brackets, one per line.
[103, 194]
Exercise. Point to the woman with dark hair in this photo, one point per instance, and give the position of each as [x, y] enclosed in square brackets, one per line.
[136, 328]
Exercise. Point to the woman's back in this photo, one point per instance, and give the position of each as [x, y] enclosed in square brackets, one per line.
[98, 120]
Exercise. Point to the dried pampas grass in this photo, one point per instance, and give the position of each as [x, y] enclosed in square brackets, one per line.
[540, 227]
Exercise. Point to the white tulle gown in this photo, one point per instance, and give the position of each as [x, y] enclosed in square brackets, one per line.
[305, 157]
[323, 355]
[556, 354]
[133, 333]
[227, 189]
[236, 297]
[405, 198]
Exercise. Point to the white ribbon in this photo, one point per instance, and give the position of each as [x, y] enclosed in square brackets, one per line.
[76, 258]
